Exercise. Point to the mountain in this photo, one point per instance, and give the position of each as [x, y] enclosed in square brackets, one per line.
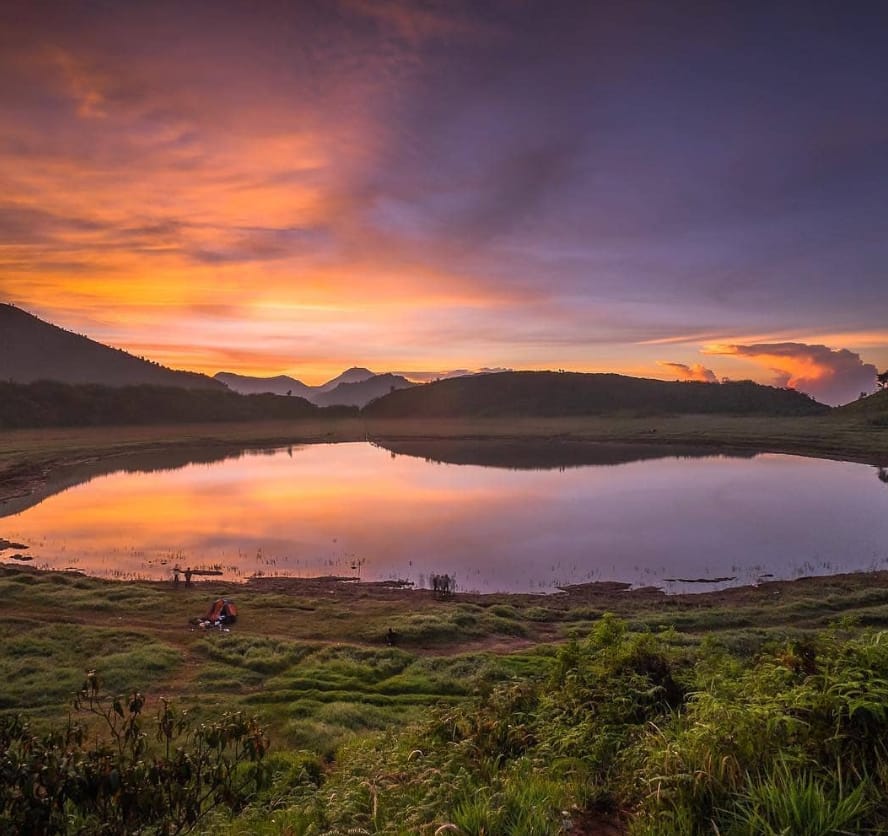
[280, 385]
[31, 349]
[283, 384]
[553, 394]
[362, 392]
[354, 387]
[355, 374]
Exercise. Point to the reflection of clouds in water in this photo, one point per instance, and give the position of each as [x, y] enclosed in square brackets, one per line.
[332, 508]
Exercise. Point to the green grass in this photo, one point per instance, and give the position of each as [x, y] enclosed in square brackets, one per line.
[800, 802]
[256, 654]
[493, 694]
[41, 666]
[625, 727]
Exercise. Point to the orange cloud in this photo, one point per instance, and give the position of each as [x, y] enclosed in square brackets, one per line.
[831, 375]
[83, 86]
[696, 372]
[295, 191]
[179, 201]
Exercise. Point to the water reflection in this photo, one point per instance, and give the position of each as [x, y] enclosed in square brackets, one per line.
[350, 509]
[547, 454]
[79, 473]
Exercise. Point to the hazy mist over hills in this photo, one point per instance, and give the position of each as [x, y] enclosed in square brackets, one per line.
[282, 384]
[354, 387]
[362, 392]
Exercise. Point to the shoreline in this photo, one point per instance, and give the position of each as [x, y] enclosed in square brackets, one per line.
[30, 458]
[34, 459]
[619, 593]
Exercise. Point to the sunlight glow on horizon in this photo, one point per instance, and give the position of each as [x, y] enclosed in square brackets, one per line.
[320, 186]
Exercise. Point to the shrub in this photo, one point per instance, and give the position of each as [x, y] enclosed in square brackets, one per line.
[70, 781]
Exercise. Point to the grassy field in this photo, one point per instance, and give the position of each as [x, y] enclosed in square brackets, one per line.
[310, 659]
[139, 633]
[491, 714]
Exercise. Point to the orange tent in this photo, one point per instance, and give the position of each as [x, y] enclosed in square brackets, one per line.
[222, 610]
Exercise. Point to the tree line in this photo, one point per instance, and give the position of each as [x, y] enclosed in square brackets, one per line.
[52, 404]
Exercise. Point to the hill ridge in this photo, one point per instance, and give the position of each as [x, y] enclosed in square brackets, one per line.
[33, 349]
[553, 394]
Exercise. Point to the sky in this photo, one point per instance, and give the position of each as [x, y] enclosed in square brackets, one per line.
[672, 190]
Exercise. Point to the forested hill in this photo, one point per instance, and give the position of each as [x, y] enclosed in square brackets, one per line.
[552, 394]
[53, 404]
[31, 349]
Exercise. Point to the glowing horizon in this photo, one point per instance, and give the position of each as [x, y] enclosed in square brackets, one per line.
[451, 186]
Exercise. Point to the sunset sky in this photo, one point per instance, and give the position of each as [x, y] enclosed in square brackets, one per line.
[674, 190]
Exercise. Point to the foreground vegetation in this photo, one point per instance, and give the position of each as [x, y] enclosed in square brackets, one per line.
[634, 730]
[750, 711]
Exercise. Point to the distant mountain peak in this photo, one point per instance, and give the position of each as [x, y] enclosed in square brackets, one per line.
[354, 387]
[356, 374]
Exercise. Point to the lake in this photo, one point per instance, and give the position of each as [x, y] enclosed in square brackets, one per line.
[502, 516]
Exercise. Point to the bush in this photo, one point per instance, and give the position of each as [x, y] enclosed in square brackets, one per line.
[70, 781]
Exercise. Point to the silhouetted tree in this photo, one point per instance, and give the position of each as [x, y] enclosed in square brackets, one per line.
[883, 379]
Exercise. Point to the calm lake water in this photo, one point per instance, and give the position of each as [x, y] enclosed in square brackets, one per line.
[525, 518]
